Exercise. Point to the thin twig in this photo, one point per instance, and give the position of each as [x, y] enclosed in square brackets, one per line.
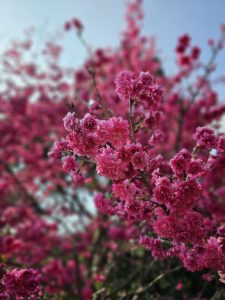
[99, 96]
[178, 142]
[132, 102]
[26, 194]
[93, 77]
[129, 279]
[150, 284]
[205, 76]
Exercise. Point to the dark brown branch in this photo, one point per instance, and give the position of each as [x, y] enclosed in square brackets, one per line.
[99, 96]
[33, 201]
[144, 289]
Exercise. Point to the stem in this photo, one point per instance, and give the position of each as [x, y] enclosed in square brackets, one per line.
[99, 96]
[132, 102]
[78, 275]
[178, 142]
[96, 243]
[144, 289]
[129, 279]
[203, 289]
[33, 201]
[206, 73]
[92, 73]
[85, 45]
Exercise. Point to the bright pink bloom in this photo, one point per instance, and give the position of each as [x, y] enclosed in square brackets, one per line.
[21, 283]
[67, 26]
[157, 137]
[186, 194]
[153, 245]
[195, 52]
[196, 168]
[119, 133]
[77, 25]
[69, 164]
[88, 123]
[163, 191]
[141, 87]
[180, 163]
[140, 160]
[221, 144]
[109, 165]
[114, 131]
[58, 149]
[125, 85]
[70, 122]
[205, 137]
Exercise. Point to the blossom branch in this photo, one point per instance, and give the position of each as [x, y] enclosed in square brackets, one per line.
[99, 96]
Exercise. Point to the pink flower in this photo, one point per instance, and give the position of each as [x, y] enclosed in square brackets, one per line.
[157, 137]
[117, 233]
[140, 160]
[184, 40]
[77, 25]
[99, 277]
[87, 293]
[102, 204]
[133, 209]
[221, 144]
[67, 26]
[153, 245]
[196, 168]
[125, 190]
[186, 195]
[83, 143]
[205, 137]
[4, 296]
[213, 254]
[180, 163]
[78, 179]
[104, 131]
[163, 192]
[70, 122]
[119, 132]
[137, 87]
[187, 227]
[114, 131]
[147, 90]
[58, 149]
[195, 52]
[179, 286]
[125, 85]
[184, 61]
[21, 283]
[152, 119]
[88, 123]
[109, 165]
[69, 164]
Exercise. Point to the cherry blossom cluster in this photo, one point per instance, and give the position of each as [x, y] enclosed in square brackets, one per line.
[145, 185]
[20, 283]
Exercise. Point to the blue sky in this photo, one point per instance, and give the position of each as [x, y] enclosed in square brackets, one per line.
[103, 20]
